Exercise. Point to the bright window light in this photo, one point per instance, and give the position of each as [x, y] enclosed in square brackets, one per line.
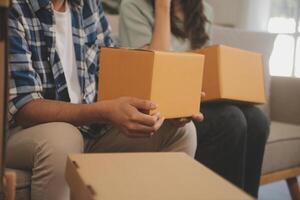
[282, 25]
[282, 58]
[297, 71]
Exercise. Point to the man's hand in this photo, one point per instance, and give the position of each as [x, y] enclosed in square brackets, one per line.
[125, 113]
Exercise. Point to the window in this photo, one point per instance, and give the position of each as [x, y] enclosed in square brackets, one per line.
[285, 21]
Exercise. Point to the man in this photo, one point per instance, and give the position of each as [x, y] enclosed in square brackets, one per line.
[54, 51]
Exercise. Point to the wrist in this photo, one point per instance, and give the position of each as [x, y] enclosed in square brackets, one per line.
[100, 111]
[162, 5]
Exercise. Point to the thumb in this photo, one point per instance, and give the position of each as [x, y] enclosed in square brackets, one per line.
[143, 104]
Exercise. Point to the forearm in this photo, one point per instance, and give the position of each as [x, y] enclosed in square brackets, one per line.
[46, 111]
[161, 37]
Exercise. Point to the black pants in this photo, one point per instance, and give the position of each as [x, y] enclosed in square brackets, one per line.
[231, 142]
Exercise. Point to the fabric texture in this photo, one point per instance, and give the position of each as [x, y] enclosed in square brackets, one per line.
[43, 150]
[66, 52]
[282, 151]
[231, 141]
[137, 21]
[34, 64]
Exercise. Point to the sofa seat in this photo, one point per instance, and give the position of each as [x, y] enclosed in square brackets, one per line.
[23, 184]
[283, 148]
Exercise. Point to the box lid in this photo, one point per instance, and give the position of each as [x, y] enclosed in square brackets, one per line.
[149, 176]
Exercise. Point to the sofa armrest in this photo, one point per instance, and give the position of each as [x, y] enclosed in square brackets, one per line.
[285, 96]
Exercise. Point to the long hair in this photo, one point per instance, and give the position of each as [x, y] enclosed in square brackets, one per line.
[194, 22]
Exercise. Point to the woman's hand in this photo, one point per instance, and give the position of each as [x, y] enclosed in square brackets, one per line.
[125, 113]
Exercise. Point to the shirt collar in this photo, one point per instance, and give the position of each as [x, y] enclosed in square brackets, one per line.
[38, 4]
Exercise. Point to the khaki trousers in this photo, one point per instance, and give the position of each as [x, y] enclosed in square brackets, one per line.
[43, 150]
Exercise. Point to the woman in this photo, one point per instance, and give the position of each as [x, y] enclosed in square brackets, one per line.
[232, 138]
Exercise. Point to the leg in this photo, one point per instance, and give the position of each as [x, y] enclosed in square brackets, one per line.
[10, 185]
[43, 149]
[168, 138]
[222, 141]
[257, 135]
[294, 188]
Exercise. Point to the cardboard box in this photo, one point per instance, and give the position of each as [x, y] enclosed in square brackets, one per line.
[172, 80]
[233, 74]
[146, 176]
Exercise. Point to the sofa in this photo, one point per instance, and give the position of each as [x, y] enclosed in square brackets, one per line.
[282, 160]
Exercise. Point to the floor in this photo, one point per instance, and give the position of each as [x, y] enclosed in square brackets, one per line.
[275, 191]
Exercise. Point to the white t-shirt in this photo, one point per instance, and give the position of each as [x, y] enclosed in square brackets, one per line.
[66, 52]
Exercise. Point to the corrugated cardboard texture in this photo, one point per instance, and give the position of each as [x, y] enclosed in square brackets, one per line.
[148, 176]
[125, 73]
[211, 88]
[172, 80]
[177, 83]
[238, 74]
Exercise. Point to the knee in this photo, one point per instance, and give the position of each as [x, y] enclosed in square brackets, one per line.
[56, 142]
[258, 124]
[189, 135]
[232, 124]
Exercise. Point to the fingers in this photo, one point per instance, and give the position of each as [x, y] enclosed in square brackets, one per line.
[180, 122]
[203, 94]
[144, 119]
[143, 104]
[139, 130]
[198, 117]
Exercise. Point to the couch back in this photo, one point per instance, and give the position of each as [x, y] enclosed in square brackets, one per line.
[285, 99]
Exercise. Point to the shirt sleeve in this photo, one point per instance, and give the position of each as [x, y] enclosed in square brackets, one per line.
[135, 29]
[24, 82]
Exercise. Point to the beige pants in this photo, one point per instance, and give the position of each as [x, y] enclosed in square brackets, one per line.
[43, 149]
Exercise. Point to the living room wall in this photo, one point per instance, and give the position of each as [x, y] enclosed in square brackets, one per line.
[245, 14]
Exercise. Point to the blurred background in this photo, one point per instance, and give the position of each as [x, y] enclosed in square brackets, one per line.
[281, 17]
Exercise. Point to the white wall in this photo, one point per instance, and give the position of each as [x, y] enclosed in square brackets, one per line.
[226, 11]
[245, 14]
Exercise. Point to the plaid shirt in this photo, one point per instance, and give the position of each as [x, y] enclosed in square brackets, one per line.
[35, 67]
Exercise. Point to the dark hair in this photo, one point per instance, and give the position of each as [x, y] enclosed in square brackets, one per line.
[194, 22]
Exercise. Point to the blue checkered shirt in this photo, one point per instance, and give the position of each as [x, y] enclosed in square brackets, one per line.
[35, 67]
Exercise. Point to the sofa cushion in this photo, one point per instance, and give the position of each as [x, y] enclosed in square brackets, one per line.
[282, 151]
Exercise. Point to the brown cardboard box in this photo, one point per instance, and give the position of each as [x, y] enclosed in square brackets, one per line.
[233, 74]
[145, 176]
[172, 80]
